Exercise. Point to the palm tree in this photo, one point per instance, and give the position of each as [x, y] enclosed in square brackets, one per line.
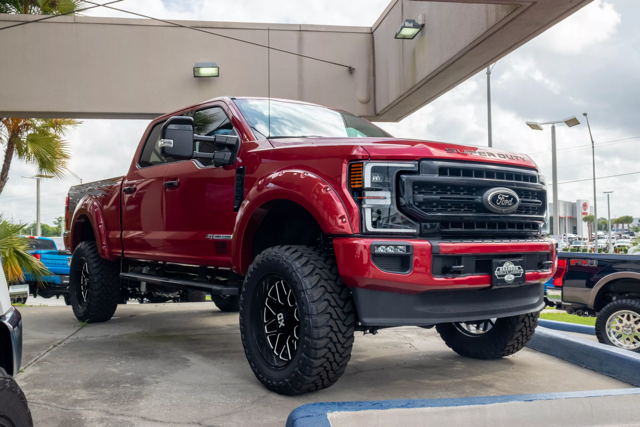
[626, 220]
[589, 220]
[35, 141]
[15, 258]
[39, 7]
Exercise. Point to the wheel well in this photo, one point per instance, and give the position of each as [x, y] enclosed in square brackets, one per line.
[285, 223]
[6, 354]
[617, 289]
[82, 231]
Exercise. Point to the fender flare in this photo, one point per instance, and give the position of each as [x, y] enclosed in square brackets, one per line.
[90, 208]
[608, 279]
[304, 188]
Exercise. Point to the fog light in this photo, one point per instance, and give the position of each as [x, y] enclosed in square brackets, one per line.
[206, 69]
[390, 249]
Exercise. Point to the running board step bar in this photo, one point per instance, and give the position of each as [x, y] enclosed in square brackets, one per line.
[214, 289]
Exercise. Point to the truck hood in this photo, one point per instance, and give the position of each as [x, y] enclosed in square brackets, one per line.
[411, 149]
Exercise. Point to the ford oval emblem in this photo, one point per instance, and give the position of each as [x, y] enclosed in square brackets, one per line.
[501, 200]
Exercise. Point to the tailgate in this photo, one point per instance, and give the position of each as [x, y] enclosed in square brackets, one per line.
[56, 261]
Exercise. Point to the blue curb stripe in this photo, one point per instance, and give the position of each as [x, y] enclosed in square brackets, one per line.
[567, 327]
[316, 414]
[622, 365]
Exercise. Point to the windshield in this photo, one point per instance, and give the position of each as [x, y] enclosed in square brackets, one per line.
[293, 120]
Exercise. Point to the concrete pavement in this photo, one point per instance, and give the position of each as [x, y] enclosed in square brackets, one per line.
[183, 364]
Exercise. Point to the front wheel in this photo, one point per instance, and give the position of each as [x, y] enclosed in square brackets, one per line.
[618, 324]
[296, 320]
[491, 338]
[94, 285]
[14, 410]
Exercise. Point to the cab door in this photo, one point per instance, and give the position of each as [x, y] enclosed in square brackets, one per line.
[199, 199]
[143, 203]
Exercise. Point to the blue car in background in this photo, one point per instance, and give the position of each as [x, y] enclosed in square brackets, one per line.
[57, 261]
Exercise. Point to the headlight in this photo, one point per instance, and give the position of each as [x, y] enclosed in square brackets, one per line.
[543, 180]
[373, 185]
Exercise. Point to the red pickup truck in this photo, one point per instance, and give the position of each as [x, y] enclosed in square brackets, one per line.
[314, 223]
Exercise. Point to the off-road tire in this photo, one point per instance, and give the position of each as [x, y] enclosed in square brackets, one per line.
[226, 303]
[326, 319]
[607, 311]
[508, 336]
[104, 286]
[191, 295]
[14, 410]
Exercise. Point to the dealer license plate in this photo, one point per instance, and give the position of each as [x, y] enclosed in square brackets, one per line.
[508, 272]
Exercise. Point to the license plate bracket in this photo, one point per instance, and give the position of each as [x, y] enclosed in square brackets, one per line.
[508, 272]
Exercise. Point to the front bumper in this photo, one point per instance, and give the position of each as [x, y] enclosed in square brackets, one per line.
[11, 322]
[417, 296]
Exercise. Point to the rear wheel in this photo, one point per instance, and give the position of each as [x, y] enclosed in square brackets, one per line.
[14, 411]
[296, 320]
[94, 285]
[490, 338]
[227, 303]
[618, 324]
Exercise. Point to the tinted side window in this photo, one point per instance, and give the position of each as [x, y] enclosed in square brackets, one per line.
[46, 245]
[150, 153]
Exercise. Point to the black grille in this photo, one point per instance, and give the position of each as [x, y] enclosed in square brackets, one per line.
[447, 199]
[442, 198]
[470, 172]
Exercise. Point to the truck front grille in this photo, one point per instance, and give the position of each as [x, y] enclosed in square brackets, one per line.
[447, 199]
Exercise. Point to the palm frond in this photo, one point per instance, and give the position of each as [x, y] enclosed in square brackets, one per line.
[15, 258]
[48, 152]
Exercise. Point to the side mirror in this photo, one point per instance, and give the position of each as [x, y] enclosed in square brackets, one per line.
[176, 138]
[220, 158]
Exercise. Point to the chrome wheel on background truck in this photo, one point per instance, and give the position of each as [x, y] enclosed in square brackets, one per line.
[618, 324]
[297, 320]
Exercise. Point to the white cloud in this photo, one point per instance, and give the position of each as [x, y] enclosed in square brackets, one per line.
[593, 24]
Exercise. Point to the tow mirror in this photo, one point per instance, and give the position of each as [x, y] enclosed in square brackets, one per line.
[176, 139]
[220, 158]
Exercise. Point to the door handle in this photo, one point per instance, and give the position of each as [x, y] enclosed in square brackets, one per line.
[171, 184]
[129, 190]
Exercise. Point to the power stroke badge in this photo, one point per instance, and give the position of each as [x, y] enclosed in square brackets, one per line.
[508, 272]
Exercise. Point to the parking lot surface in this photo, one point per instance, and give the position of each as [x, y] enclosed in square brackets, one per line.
[183, 365]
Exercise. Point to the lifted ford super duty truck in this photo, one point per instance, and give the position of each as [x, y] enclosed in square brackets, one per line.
[314, 223]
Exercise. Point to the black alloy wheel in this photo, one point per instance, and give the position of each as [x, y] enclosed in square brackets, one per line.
[94, 284]
[297, 319]
[280, 322]
[82, 291]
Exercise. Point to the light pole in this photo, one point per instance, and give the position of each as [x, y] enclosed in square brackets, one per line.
[489, 68]
[609, 216]
[595, 203]
[571, 121]
[38, 178]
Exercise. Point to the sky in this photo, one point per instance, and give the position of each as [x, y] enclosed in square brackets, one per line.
[590, 63]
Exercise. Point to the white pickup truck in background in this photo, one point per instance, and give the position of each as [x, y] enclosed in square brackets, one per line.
[13, 404]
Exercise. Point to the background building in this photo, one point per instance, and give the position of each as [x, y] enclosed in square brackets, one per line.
[571, 214]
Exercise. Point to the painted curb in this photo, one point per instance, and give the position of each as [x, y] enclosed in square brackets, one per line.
[567, 327]
[620, 364]
[316, 414]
